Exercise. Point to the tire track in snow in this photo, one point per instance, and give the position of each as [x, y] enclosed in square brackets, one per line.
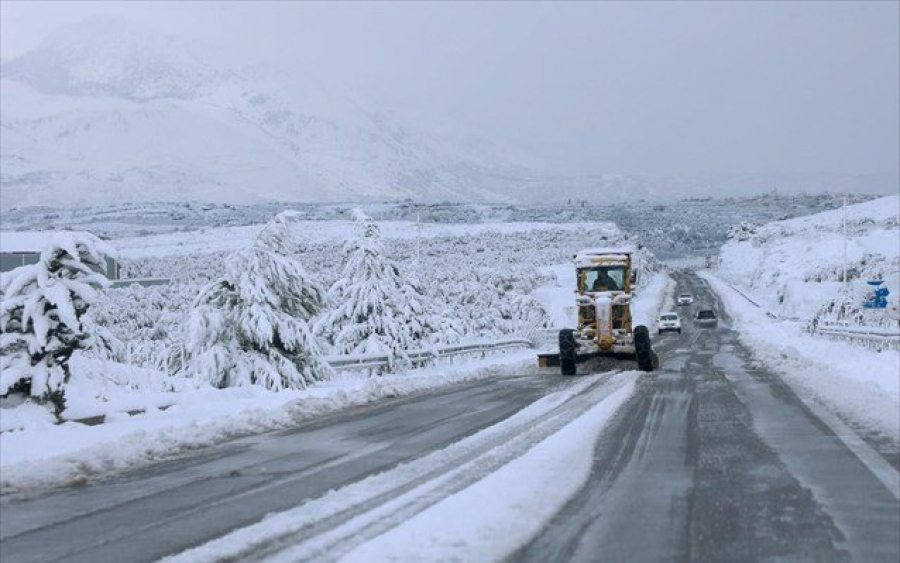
[327, 527]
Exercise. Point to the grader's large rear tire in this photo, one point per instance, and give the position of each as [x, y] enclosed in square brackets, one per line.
[643, 351]
[567, 352]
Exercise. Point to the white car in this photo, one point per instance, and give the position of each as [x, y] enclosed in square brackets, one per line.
[685, 299]
[669, 322]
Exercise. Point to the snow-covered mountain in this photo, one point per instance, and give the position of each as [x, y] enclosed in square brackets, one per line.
[107, 112]
[112, 57]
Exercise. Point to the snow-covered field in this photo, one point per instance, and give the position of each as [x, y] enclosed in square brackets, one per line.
[690, 227]
[477, 280]
[321, 232]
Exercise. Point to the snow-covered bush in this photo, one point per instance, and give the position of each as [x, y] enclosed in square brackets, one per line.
[376, 310]
[741, 232]
[42, 316]
[251, 326]
[149, 330]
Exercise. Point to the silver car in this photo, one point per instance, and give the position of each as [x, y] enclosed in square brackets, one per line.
[706, 318]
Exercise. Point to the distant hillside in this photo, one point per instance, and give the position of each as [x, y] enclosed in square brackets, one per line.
[106, 112]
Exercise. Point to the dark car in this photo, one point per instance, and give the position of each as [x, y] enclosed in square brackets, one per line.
[706, 318]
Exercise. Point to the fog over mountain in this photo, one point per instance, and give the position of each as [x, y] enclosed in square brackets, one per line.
[107, 110]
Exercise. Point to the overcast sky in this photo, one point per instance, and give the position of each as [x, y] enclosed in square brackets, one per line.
[644, 88]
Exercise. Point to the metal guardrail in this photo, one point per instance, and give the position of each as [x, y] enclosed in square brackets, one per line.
[875, 338]
[145, 282]
[424, 355]
[753, 302]
[848, 328]
[744, 295]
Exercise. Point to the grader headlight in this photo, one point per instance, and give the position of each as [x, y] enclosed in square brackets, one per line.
[587, 313]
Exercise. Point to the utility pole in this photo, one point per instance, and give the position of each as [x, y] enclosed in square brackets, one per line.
[844, 228]
[418, 238]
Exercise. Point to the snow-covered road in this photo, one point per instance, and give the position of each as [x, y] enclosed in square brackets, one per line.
[717, 459]
[350, 475]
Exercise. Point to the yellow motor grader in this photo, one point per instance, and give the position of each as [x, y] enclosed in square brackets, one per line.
[604, 292]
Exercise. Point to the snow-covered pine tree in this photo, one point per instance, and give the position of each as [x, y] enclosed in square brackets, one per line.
[435, 327]
[375, 310]
[251, 326]
[42, 308]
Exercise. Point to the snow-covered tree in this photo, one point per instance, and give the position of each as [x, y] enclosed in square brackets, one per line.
[42, 309]
[376, 310]
[251, 326]
[438, 327]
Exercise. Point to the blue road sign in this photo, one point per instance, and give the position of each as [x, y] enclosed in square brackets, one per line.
[877, 297]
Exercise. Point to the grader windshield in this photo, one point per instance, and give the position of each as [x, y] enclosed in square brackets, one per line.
[602, 278]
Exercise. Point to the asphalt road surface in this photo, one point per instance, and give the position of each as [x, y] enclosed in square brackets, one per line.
[716, 459]
[713, 459]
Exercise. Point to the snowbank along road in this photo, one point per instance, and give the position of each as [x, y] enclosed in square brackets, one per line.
[711, 459]
[716, 459]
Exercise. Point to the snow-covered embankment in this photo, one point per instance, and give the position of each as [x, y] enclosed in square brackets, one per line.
[793, 271]
[794, 267]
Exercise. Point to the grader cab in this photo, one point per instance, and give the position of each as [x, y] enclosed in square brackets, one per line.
[605, 281]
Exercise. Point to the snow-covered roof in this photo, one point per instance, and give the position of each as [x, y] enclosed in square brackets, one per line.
[27, 241]
[590, 257]
[608, 250]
